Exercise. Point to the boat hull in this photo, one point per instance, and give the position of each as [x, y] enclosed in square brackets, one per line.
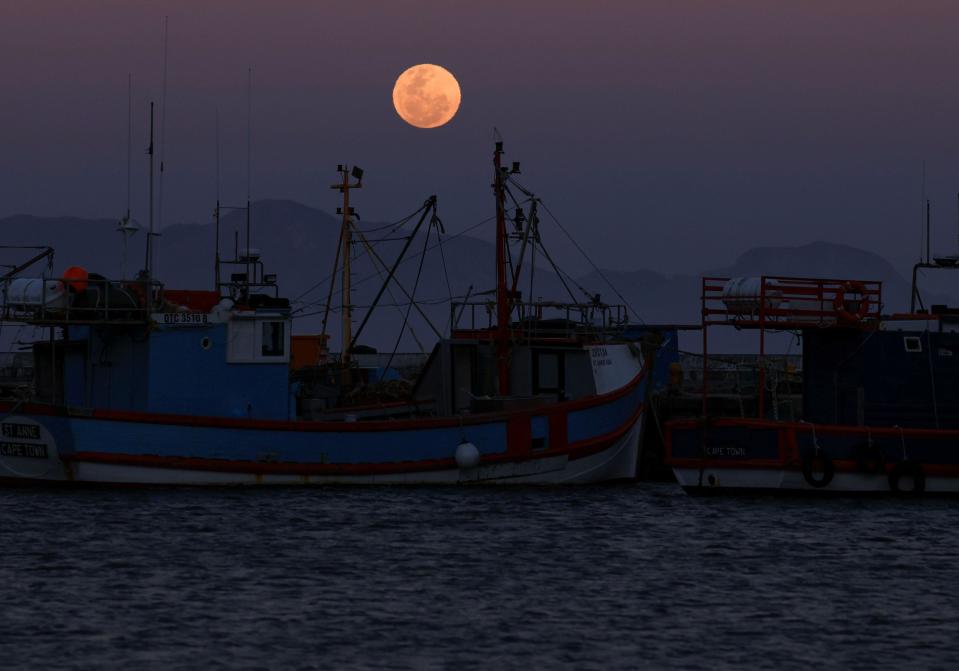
[729, 456]
[615, 462]
[586, 441]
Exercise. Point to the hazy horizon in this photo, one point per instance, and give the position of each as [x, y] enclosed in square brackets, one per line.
[664, 137]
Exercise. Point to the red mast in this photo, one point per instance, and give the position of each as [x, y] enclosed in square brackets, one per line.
[502, 300]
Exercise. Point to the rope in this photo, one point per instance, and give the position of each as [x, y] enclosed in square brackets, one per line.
[396, 224]
[416, 283]
[329, 296]
[439, 300]
[560, 273]
[395, 304]
[932, 378]
[407, 259]
[446, 274]
[595, 267]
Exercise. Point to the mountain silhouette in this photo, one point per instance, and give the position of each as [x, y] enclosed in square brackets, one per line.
[299, 243]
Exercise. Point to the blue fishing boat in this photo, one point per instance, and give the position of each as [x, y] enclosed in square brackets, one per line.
[139, 384]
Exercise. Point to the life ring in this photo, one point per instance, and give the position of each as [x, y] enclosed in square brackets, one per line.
[907, 468]
[839, 302]
[809, 467]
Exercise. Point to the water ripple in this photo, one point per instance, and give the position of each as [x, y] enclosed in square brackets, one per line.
[384, 578]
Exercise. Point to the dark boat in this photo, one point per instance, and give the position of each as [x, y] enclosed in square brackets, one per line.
[880, 400]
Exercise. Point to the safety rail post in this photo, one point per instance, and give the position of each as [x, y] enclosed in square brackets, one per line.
[43, 298]
[821, 294]
[762, 347]
[705, 324]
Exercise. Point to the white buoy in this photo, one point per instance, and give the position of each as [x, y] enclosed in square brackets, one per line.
[467, 455]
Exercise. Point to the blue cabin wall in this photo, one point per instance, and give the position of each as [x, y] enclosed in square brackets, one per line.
[187, 378]
[170, 371]
[871, 378]
[109, 371]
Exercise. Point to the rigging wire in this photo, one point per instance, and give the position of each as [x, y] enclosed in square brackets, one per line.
[582, 251]
[595, 267]
[396, 224]
[439, 300]
[379, 272]
[440, 232]
[329, 296]
[416, 283]
[382, 265]
[407, 259]
[428, 209]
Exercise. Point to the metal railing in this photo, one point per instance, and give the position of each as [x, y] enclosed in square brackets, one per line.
[542, 319]
[790, 302]
[51, 302]
[16, 367]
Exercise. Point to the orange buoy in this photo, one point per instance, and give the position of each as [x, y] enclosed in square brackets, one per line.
[76, 278]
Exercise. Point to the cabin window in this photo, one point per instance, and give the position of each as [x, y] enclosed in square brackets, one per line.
[257, 341]
[912, 344]
[273, 343]
[548, 372]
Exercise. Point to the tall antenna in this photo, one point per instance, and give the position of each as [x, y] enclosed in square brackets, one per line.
[129, 141]
[216, 126]
[166, 31]
[502, 300]
[922, 210]
[249, 151]
[149, 259]
[249, 127]
[216, 212]
[127, 226]
[928, 236]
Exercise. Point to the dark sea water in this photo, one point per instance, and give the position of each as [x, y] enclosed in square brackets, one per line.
[636, 576]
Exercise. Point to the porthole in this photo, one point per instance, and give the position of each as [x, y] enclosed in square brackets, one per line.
[206, 343]
[912, 344]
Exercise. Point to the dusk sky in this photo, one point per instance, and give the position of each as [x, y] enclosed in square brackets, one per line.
[669, 136]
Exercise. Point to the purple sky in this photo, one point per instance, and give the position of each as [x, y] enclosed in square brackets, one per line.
[669, 136]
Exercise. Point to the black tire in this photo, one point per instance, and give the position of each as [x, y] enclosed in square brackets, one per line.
[809, 467]
[903, 469]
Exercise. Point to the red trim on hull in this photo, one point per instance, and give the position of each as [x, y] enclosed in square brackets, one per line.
[840, 466]
[575, 451]
[789, 458]
[805, 427]
[324, 426]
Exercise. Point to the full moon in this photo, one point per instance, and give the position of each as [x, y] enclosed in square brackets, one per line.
[426, 96]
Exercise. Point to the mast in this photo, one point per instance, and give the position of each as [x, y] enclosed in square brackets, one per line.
[216, 212]
[126, 219]
[502, 300]
[126, 224]
[346, 237]
[162, 135]
[249, 150]
[347, 243]
[149, 259]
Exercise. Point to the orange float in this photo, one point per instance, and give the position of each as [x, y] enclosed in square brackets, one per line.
[839, 303]
[76, 278]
